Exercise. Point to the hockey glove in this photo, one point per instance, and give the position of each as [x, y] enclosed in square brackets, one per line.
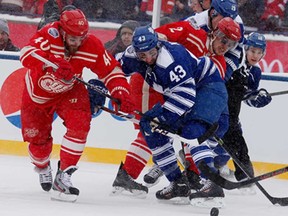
[122, 94]
[64, 70]
[149, 121]
[96, 99]
[258, 98]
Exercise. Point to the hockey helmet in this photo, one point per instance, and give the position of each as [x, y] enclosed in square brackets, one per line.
[144, 39]
[74, 22]
[228, 31]
[227, 8]
[230, 28]
[255, 39]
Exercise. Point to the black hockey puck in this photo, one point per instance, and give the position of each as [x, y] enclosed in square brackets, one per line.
[214, 211]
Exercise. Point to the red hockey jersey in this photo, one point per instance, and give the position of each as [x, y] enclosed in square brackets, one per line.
[193, 39]
[44, 87]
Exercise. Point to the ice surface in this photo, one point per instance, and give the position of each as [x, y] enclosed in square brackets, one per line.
[21, 195]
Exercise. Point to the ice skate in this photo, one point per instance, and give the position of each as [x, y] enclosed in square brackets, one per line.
[63, 189]
[153, 176]
[125, 184]
[210, 195]
[241, 176]
[45, 177]
[178, 191]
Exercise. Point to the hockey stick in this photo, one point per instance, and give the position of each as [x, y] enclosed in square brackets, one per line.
[278, 93]
[282, 201]
[271, 94]
[165, 131]
[128, 117]
[51, 64]
[209, 133]
[229, 185]
[274, 77]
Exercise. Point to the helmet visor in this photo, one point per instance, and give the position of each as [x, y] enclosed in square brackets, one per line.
[225, 40]
[149, 56]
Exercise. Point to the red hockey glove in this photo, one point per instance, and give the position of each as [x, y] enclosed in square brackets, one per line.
[64, 71]
[122, 93]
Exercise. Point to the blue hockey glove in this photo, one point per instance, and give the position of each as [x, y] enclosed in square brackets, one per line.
[259, 98]
[147, 126]
[96, 99]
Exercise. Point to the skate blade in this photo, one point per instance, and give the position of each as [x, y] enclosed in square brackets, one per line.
[217, 202]
[176, 201]
[117, 191]
[59, 196]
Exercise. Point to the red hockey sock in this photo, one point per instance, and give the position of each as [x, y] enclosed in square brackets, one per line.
[137, 157]
[189, 158]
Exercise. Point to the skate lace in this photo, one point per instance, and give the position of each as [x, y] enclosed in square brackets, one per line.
[132, 182]
[168, 189]
[65, 178]
[207, 185]
[45, 175]
[155, 172]
[45, 178]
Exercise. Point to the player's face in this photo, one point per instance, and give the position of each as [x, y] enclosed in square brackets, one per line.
[215, 20]
[126, 36]
[149, 56]
[206, 4]
[195, 6]
[221, 43]
[254, 55]
[73, 42]
[3, 37]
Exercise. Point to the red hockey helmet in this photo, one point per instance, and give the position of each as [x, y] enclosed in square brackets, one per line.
[230, 28]
[74, 22]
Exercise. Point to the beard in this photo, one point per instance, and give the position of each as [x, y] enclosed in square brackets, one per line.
[72, 49]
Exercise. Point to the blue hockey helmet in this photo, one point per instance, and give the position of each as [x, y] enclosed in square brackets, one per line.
[256, 39]
[144, 39]
[227, 8]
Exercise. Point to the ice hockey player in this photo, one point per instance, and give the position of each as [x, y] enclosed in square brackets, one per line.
[208, 21]
[189, 85]
[67, 44]
[200, 43]
[243, 86]
[138, 154]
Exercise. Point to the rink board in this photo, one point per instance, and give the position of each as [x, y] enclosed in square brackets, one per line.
[110, 137]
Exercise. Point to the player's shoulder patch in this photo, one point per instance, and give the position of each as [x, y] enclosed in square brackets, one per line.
[129, 52]
[53, 32]
[193, 23]
[130, 49]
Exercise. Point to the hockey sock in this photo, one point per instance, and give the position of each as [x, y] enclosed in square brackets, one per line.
[137, 156]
